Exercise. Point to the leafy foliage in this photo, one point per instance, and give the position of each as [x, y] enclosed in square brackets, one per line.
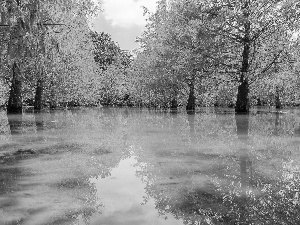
[228, 51]
[50, 43]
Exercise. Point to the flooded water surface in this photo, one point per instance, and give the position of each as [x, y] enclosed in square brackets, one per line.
[110, 166]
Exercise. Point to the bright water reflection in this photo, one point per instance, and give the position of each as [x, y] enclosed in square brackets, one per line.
[129, 166]
[123, 199]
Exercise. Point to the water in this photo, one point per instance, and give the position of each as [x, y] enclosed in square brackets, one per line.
[123, 198]
[130, 166]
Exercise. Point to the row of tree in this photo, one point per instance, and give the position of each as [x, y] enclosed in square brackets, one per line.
[42, 45]
[49, 57]
[219, 52]
[216, 52]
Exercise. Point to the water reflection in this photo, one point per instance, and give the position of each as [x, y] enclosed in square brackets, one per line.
[15, 123]
[261, 198]
[54, 183]
[277, 124]
[124, 200]
[39, 121]
[127, 166]
[4, 126]
[242, 125]
[238, 186]
[191, 121]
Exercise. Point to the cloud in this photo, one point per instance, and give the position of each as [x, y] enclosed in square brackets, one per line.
[127, 13]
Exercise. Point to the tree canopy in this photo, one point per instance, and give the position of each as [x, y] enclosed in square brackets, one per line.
[193, 53]
[236, 44]
[46, 47]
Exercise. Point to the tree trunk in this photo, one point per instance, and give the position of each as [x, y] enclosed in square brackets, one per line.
[15, 52]
[191, 103]
[277, 99]
[53, 103]
[15, 94]
[38, 99]
[39, 92]
[242, 103]
[174, 104]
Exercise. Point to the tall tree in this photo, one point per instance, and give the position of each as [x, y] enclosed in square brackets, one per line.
[247, 27]
[12, 16]
[162, 43]
[29, 25]
[240, 41]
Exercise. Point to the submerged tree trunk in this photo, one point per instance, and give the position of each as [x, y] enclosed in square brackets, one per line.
[15, 94]
[52, 101]
[174, 104]
[39, 91]
[38, 99]
[191, 103]
[242, 102]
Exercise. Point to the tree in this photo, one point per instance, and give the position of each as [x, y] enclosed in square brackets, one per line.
[248, 27]
[232, 41]
[173, 41]
[113, 64]
[106, 51]
[30, 24]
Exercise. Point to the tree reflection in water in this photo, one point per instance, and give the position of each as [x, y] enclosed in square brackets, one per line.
[234, 172]
[277, 125]
[257, 198]
[54, 182]
[39, 121]
[250, 191]
[242, 125]
[15, 123]
[191, 120]
[4, 126]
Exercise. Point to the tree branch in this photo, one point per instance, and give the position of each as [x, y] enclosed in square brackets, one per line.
[267, 67]
[218, 62]
[234, 27]
[225, 33]
[253, 54]
[44, 24]
[261, 31]
[274, 60]
[51, 24]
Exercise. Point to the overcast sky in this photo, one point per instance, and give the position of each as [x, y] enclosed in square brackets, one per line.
[124, 20]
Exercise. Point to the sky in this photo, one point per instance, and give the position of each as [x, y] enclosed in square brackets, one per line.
[123, 20]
